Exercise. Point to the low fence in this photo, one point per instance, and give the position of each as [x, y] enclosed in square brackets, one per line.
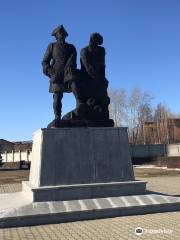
[143, 151]
[173, 150]
[159, 155]
[16, 156]
[156, 150]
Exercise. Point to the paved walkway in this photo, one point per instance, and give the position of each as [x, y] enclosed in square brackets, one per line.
[155, 226]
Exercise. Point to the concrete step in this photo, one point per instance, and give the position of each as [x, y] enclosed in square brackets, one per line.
[17, 210]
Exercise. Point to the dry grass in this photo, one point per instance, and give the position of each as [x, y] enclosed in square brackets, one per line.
[13, 176]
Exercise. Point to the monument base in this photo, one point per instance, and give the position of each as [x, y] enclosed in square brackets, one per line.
[83, 191]
[80, 174]
[69, 156]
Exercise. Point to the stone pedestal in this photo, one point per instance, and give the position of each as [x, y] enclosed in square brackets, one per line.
[79, 163]
[80, 174]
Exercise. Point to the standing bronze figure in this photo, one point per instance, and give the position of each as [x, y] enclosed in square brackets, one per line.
[59, 63]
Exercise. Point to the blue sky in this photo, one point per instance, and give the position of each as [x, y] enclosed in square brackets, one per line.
[141, 37]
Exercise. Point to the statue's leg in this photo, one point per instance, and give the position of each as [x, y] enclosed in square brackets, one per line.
[57, 104]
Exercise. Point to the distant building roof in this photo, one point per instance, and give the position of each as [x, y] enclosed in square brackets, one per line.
[3, 141]
[16, 146]
[23, 142]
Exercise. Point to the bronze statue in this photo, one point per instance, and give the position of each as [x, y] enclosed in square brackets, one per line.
[58, 63]
[89, 84]
[90, 88]
[93, 69]
[93, 58]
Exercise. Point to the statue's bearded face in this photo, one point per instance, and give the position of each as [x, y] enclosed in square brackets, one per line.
[60, 36]
[96, 39]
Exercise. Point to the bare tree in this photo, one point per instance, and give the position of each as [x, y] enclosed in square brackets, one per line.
[131, 111]
[118, 106]
[139, 111]
[145, 115]
[145, 124]
[161, 115]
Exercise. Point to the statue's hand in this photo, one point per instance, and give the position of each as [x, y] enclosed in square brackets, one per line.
[51, 71]
[68, 71]
[91, 72]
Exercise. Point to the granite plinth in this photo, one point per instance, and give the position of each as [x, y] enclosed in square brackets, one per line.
[66, 156]
[81, 163]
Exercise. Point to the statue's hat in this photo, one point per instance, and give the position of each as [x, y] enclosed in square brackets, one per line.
[60, 28]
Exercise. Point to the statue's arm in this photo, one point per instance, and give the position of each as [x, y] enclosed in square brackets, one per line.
[47, 69]
[86, 63]
[71, 62]
[103, 53]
